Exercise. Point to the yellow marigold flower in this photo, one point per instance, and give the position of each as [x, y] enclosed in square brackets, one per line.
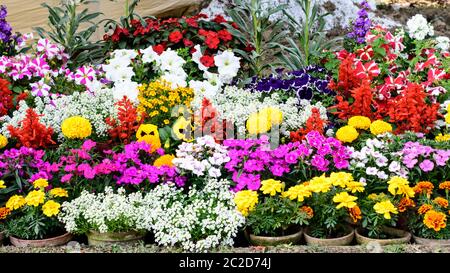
[372, 196]
[320, 184]
[442, 202]
[344, 200]
[400, 186]
[424, 208]
[360, 122]
[355, 213]
[59, 192]
[385, 208]
[15, 202]
[4, 212]
[298, 192]
[40, 183]
[51, 208]
[150, 135]
[341, 179]
[166, 122]
[35, 198]
[165, 160]
[2, 184]
[271, 186]
[435, 220]
[258, 124]
[442, 138]
[380, 127]
[424, 187]
[445, 185]
[347, 133]
[76, 127]
[182, 128]
[355, 186]
[308, 210]
[246, 201]
[3, 141]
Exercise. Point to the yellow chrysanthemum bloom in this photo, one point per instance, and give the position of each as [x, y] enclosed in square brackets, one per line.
[320, 184]
[435, 220]
[271, 186]
[347, 133]
[298, 192]
[35, 198]
[76, 127]
[341, 179]
[380, 127]
[182, 128]
[59, 192]
[150, 135]
[400, 186]
[246, 201]
[385, 208]
[360, 122]
[51, 208]
[345, 200]
[40, 183]
[15, 202]
[2, 184]
[165, 160]
[442, 138]
[355, 186]
[3, 141]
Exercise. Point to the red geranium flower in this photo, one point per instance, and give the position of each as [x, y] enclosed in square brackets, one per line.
[188, 43]
[224, 35]
[159, 48]
[219, 19]
[212, 40]
[207, 60]
[175, 37]
[192, 22]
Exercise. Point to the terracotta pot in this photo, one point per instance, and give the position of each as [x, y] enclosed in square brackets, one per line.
[55, 241]
[124, 238]
[340, 241]
[431, 242]
[403, 237]
[274, 241]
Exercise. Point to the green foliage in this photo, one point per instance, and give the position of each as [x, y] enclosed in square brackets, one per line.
[33, 225]
[374, 222]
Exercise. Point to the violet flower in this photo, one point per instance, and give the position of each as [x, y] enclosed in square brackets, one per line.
[361, 25]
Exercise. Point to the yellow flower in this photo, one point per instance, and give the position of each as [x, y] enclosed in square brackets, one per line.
[51, 208]
[299, 191]
[442, 138]
[320, 184]
[150, 135]
[258, 124]
[3, 141]
[447, 118]
[59, 192]
[15, 202]
[182, 129]
[347, 134]
[166, 122]
[345, 200]
[360, 122]
[355, 186]
[76, 127]
[372, 196]
[341, 179]
[272, 114]
[40, 183]
[2, 184]
[246, 201]
[380, 127]
[271, 186]
[400, 186]
[165, 160]
[35, 198]
[385, 208]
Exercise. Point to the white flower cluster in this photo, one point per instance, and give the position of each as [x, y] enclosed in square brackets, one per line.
[236, 104]
[203, 158]
[202, 219]
[103, 212]
[373, 165]
[418, 27]
[443, 43]
[95, 107]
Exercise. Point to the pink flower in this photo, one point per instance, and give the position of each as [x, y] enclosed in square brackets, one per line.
[427, 165]
[40, 89]
[84, 75]
[47, 48]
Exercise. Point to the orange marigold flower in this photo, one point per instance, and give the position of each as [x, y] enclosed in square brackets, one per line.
[405, 203]
[424, 208]
[445, 185]
[424, 187]
[441, 202]
[309, 211]
[355, 213]
[4, 212]
[435, 220]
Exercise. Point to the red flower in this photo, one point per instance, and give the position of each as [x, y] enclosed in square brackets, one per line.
[6, 99]
[234, 25]
[224, 35]
[212, 40]
[192, 22]
[202, 32]
[207, 60]
[188, 43]
[249, 47]
[159, 48]
[118, 32]
[219, 19]
[22, 96]
[175, 37]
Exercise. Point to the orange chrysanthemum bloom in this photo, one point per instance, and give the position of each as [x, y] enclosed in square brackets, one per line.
[435, 220]
[424, 208]
[424, 187]
[405, 203]
[4, 212]
[445, 185]
[309, 211]
[355, 213]
[441, 202]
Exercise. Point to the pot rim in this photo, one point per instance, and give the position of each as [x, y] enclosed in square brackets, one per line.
[428, 239]
[299, 232]
[406, 234]
[121, 233]
[42, 240]
[350, 234]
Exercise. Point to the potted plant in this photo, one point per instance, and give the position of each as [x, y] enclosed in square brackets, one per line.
[333, 201]
[106, 217]
[33, 221]
[4, 213]
[428, 220]
[274, 217]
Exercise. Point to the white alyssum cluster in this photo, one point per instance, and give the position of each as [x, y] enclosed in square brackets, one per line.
[419, 28]
[103, 212]
[236, 104]
[54, 109]
[202, 219]
[204, 157]
[443, 43]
